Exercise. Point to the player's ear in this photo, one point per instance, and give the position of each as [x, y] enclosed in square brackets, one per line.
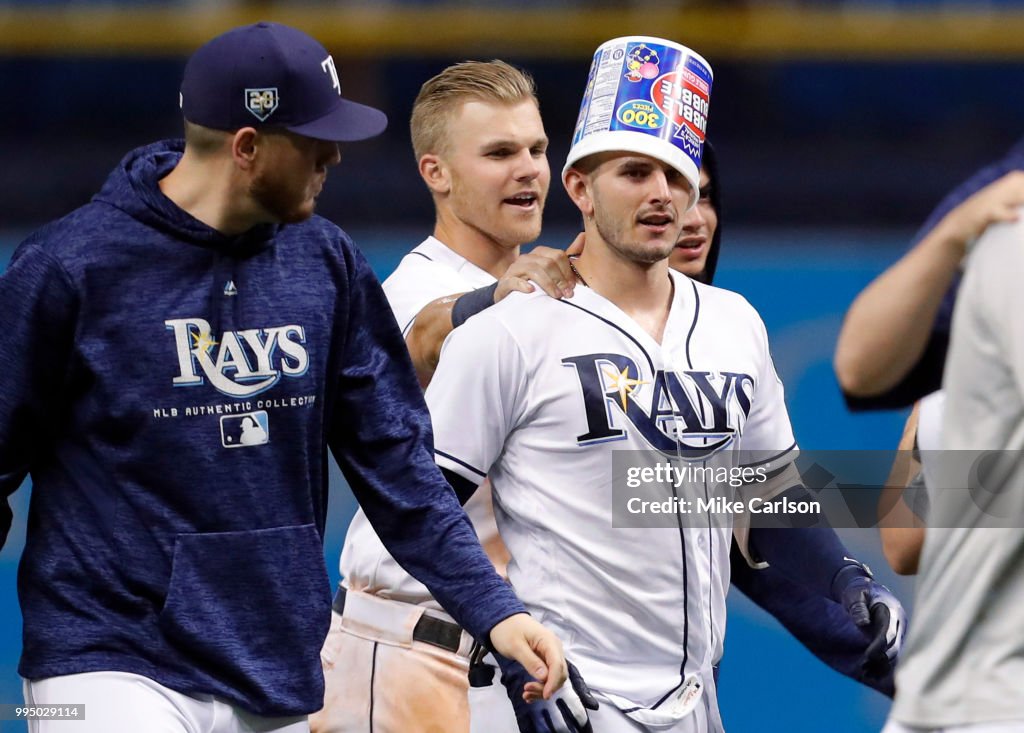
[577, 185]
[435, 174]
[244, 145]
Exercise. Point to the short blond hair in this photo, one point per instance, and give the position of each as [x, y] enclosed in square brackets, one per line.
[486, 81]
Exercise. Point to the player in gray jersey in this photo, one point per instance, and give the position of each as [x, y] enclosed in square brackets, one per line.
[964, 664]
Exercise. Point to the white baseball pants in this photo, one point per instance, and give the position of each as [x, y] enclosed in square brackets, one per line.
[119, 702]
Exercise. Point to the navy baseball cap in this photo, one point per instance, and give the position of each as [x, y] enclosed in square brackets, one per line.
[268, 74]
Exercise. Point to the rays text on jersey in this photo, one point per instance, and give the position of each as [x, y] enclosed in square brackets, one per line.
[692, 413]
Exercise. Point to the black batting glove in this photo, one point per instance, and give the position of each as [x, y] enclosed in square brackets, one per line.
[565, 712]
[877, 612]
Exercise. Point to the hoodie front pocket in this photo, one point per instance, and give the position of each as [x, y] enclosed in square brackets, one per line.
[250, 610]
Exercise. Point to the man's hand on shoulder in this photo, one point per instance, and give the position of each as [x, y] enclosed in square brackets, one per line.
[999, 201]
[547, 267]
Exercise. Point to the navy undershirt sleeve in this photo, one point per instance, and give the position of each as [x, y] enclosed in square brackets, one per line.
[811, 556]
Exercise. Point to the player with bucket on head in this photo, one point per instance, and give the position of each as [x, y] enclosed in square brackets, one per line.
[633, 360]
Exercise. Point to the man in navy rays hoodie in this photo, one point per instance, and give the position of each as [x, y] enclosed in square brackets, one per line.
[178, 356]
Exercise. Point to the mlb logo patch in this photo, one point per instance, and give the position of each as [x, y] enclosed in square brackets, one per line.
[242, 431]
[261, 102]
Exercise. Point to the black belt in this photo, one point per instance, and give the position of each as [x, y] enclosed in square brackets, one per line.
[429, 630]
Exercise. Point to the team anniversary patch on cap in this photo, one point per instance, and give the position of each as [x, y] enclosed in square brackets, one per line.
[261, 102]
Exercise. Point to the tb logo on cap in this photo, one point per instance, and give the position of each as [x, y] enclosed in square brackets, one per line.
[261, 102]
[328, 66]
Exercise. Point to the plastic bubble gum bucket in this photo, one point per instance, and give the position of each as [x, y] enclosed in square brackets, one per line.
[646, 95]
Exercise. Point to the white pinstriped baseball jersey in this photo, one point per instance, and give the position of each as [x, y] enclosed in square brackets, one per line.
[428, 272]
[536, 393]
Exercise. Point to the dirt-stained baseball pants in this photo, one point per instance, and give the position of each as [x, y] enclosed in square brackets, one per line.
[380, 679]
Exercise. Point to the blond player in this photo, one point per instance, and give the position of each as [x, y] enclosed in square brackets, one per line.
[537, 392]
[393, 660]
